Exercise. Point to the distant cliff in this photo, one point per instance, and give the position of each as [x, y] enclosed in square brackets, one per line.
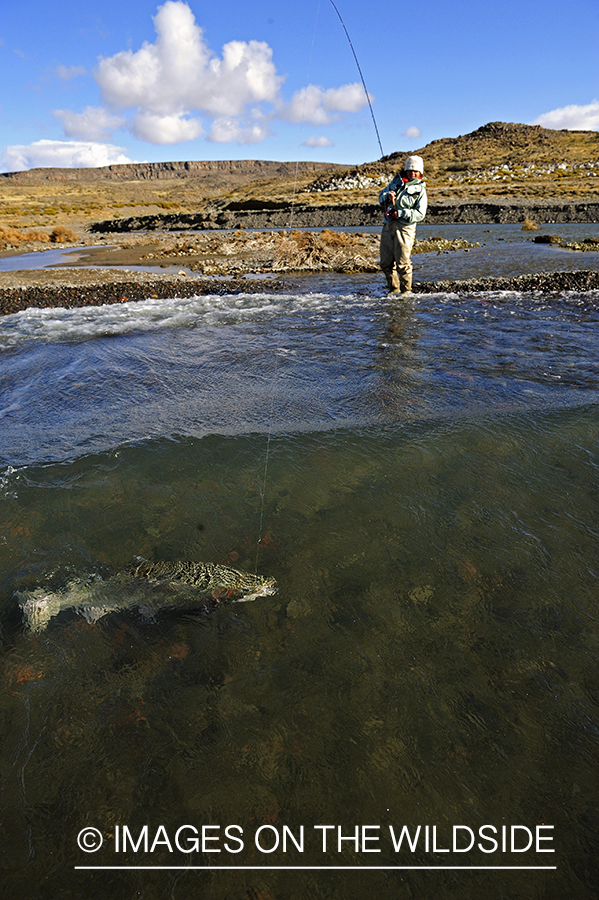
[168, 171]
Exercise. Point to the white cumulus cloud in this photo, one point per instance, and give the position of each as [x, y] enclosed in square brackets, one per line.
[246, 74]
[164, 89]
[165, 129]
[159, 77]
[227, 129]
[93, 124]
[177, 75]
[577, 118]
[321, 141]
[321, 106]
[64, 154]
[412, 132]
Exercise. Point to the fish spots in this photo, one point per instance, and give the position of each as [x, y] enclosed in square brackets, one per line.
[14, 534]
[457, 758]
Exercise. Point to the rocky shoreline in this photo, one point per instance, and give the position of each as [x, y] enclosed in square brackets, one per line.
[86, 287]
[543, 282]
[254, 214]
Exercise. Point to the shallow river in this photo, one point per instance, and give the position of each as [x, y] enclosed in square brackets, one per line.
[422, 481]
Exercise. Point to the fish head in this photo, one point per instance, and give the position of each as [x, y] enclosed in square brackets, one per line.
[264, 587]
[234, 586]
[243, 586]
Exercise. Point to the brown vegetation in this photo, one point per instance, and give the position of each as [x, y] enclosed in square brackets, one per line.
[244, 252]
[13, 238]
[79, 197]
[63, 235]
[10, 238]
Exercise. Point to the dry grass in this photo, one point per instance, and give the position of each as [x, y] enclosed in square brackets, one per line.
[308, 251]
[276, 251]
[14, 238]
[529, 225]
[45, 204]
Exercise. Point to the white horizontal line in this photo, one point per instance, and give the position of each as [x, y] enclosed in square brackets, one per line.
[320, 868]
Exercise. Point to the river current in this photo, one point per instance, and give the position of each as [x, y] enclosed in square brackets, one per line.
[421, 479]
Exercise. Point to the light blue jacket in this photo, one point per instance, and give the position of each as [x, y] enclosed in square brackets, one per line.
[410, 200]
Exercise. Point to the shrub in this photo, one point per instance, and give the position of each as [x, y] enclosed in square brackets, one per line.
[63, 235]
[12, 236]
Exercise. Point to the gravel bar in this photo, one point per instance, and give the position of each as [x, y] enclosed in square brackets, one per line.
[89, 288]
[545, 282]
[85, 287]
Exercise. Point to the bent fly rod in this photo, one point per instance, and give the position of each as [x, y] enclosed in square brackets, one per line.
[361, 76]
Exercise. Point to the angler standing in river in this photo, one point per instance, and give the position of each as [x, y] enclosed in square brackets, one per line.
[403, 202]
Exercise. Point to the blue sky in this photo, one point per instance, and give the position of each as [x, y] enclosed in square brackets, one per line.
[89, 83]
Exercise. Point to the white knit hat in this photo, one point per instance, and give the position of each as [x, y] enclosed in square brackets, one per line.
[414, 163]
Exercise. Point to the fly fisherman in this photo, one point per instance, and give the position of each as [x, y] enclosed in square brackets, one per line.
[403, 202]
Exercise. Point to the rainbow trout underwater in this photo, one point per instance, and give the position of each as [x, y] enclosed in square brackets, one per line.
[145, 587]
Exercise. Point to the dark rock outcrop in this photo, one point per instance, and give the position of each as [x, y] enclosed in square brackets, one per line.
[275, 215]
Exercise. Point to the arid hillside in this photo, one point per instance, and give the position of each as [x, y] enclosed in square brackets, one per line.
[77, 197]
[498, 161]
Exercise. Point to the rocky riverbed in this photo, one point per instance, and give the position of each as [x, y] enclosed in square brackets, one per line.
[92, 287]
[543, 282]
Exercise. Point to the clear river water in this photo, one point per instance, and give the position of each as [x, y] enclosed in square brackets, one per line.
[415, 712]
